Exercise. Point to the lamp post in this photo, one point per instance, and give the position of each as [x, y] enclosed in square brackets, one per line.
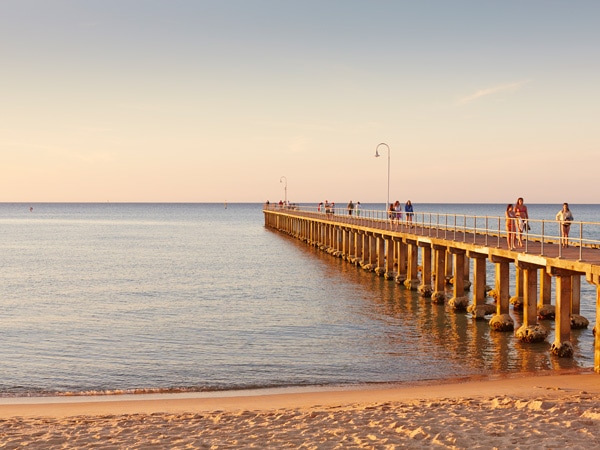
[388, 186]
[284, 188]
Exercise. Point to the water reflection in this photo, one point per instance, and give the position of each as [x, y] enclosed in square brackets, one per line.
[440, 341]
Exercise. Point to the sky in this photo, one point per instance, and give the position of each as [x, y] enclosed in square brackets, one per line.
[247, 100]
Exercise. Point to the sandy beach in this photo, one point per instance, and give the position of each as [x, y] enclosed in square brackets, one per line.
[550, 411]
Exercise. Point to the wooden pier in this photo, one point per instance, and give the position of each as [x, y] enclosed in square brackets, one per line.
[393, 249]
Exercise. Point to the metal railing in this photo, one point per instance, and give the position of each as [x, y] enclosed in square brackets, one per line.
[456, 227]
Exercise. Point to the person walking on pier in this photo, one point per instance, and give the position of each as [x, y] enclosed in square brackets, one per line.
[565, 218]
[522, 216]
[350, 208]
[510, 226]
[408, 209]
[397, 212]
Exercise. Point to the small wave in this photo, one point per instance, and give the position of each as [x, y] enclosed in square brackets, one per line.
[153, 391]
[137, 391]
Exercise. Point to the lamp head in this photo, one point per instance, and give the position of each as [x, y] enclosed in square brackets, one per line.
[376, 153]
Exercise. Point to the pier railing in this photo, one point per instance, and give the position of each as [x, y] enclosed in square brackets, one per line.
[458, 227]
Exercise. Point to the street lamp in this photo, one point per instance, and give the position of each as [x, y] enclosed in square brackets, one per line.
[377, 156]
[284, 188]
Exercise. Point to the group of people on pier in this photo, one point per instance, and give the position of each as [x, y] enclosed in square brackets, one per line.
[283, 204]
[328, 207]
[517, 223]
[395, 212]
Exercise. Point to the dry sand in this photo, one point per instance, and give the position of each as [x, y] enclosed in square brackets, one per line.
[555, 411]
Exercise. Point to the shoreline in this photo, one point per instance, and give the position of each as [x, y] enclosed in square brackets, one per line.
[519, 384]
[531, 411]
[85, 397]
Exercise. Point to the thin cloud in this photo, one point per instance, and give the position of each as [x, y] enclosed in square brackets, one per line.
[492, 91]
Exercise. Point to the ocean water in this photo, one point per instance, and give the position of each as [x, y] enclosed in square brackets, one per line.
[122, 298]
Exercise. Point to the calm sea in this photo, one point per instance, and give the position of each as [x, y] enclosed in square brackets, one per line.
[119, 298]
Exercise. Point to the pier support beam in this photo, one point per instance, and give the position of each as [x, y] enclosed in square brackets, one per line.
[412, 274]
[546, 310]
[562, 343]
[320, 237]
[459, 302]
[530, 331]
[439, 258]
[467, 273]
[380, 269]
[345, 242]
[597, 327]
[576, 294]
[402, 248]
[358, 247]
[577, 320]
[372, 251]
[364, 249]
[502, 320]
[336, 249]
[390, 258]
[316, 233]
[517, 301]
[479, 309]
[425, 287]
[367, 260]
[351, 244]
[448, 269]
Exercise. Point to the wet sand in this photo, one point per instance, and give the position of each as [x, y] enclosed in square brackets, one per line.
[550, 411]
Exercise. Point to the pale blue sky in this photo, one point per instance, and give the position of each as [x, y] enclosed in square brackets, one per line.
[202, 101]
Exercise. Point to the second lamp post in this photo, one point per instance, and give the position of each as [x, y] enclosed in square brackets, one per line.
[388, 177]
